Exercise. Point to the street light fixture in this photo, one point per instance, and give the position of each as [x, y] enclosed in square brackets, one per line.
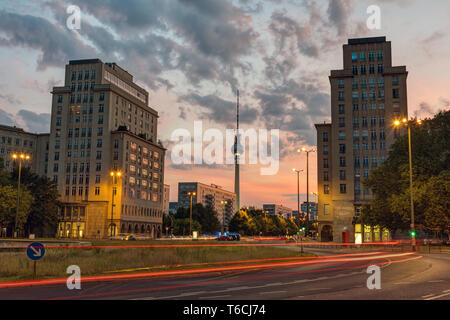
[224, 202]
[307, 182]
[408, 124]
[20, 156]
[298, 191]
[114, 174]
[191, 194]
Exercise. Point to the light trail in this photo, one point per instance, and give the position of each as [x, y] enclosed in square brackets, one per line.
[226, 280]
[201, 270]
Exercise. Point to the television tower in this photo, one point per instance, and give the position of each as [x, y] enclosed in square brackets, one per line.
[236, 157]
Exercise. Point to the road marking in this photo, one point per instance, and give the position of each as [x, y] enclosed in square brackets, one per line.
[437, 297]
[215, 297]
[434, 281]
[428, 295]
[186, 294]
[446, 291]
[311, 289]
[270, 292]
[399, 283]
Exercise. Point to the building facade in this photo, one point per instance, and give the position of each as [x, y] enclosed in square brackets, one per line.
[166, 199]
[313, 208]
[208, 195]
[101, 123]
[367, 96]
[277, 209]
[16, 140]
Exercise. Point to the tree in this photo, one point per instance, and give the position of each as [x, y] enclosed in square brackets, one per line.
[8, 205]
[205, 216]
[390, 182]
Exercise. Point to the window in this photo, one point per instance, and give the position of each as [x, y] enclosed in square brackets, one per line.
[382, 135]
[326, 189]
[374, 162]
[355, 107]
[363, 69]
[97, 179]
[58, 121]
[355, 134]
[341, 122]
[340, 83]
[373, 135]
[341, 96]
[355, 70]
[101, 108]
[354, 83]
[97, 191]
[374, 146]
[102, 96]
[325, 176]
[379, 55]
[342, 148]
[362, 57]
[98, 167]
[357, 162]
[343, 188]
[355, 95]
[354, 57]
[365, 146]
[325, 163]
[380, 82]
[325, 149]
[56, 156]
[365, 161]
[395, 93]
[60, 99]
[355, 123]
[364, 121]
[341, 109]
[372, 69]
[382, 145]
[100, 119]
[100, 131]
[371, 82]
[395, 81]
[325, 137]
[373, 121]
[371, 56]
[342, 161]
[363, 83]
[341, 135]
[380, 68]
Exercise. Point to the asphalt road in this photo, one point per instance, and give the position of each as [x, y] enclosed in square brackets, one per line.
[426, 277]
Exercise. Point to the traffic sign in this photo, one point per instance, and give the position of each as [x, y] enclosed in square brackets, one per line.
[35, 251]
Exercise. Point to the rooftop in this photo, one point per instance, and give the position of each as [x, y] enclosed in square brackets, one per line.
[367, 40]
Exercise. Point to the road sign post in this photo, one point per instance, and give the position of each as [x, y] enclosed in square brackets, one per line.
[35, 251]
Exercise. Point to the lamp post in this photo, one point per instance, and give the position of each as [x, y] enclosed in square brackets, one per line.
[298, 191]
[408, 124]
[307, 183]
[191, 194]
[21, 157]
[224, 202]
[114, 175]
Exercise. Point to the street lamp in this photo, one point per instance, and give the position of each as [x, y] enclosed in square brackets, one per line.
[298, 191]
[114, 175]
[408, 124]
[191, 194]
[224, 202]
[307, 182]
[20, 156]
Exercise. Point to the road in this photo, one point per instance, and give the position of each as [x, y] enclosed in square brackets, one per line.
[414, 276]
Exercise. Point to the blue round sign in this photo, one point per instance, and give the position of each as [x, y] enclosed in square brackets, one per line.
[35, 251]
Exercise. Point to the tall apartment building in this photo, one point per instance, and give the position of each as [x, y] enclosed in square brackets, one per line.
[367, 95]
[166, 199]
[277, 209]
[208, 195]
[16, 140]
[101, 122]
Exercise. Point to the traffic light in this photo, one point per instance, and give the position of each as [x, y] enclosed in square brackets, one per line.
[303, 228]
[412, 233]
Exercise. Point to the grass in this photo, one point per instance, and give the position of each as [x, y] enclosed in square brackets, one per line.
[96, 261]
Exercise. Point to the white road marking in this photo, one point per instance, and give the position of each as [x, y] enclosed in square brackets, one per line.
[428, 295]
[437, 297]
[434, 281]
[270, 292]
[215, 297]
[311, 289]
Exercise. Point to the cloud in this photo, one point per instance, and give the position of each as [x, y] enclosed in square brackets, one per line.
[220, 110]
[7, 119]
[57, 45]
[35, 122]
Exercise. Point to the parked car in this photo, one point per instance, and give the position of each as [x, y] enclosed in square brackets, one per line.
[229, 237]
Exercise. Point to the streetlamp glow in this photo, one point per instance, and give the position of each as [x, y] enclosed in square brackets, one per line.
[303, 149]
[191, 194]
[408, 124]
[21, 157]
[113, 174]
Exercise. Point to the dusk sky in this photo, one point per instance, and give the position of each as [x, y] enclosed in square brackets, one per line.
[192, 55]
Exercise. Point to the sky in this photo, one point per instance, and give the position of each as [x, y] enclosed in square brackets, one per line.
[192, 55]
